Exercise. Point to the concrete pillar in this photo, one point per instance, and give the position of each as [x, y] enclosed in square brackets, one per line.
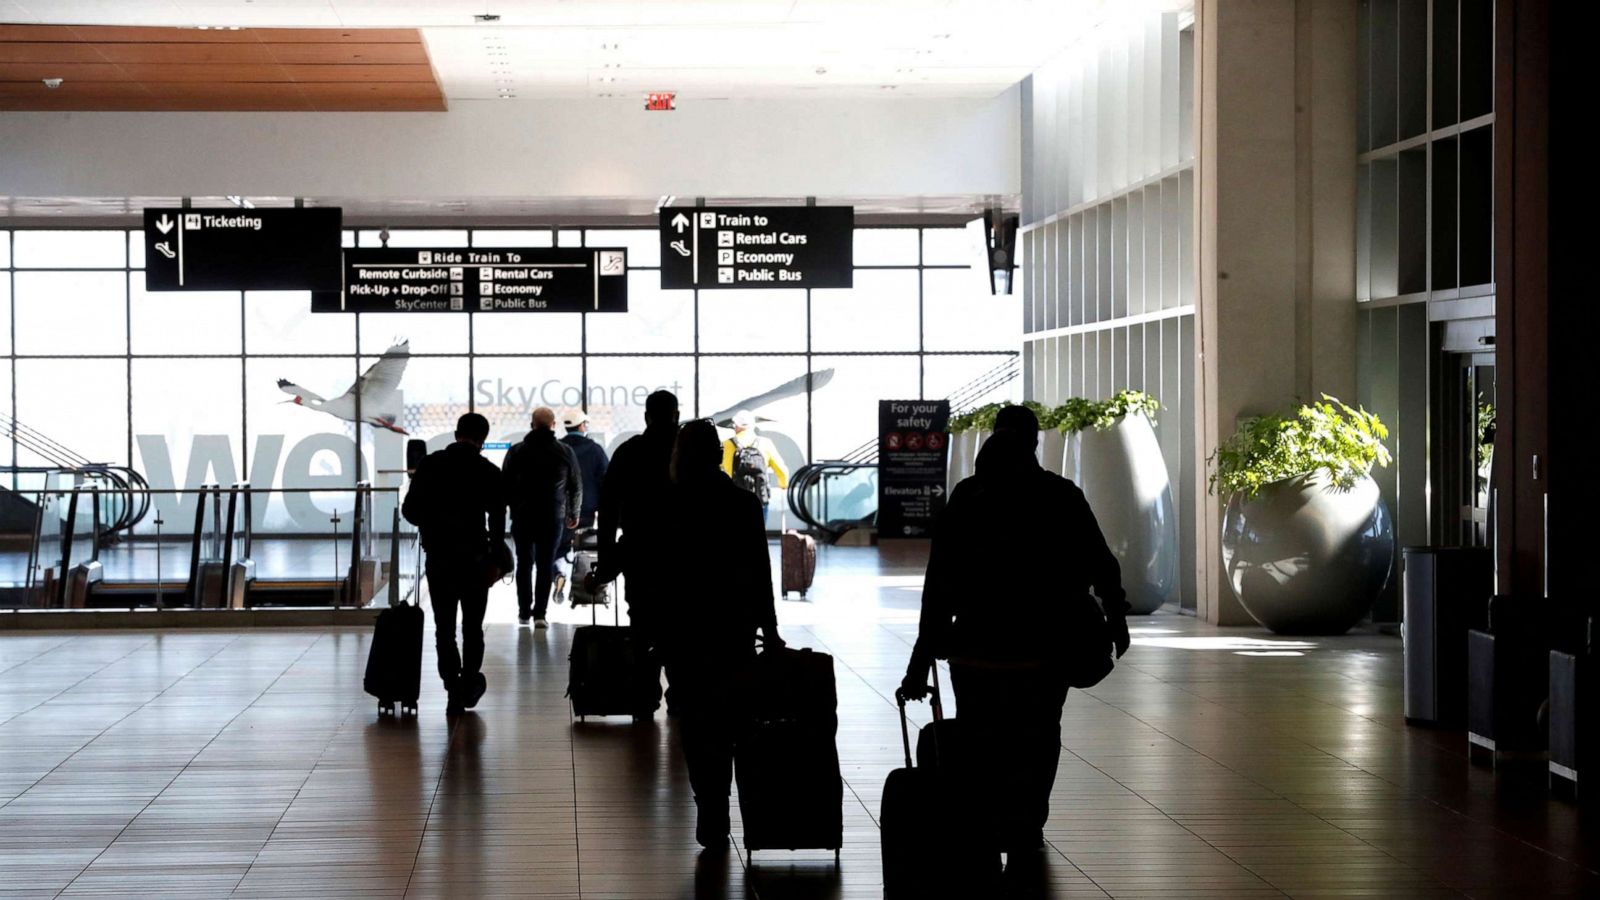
[1276, 321]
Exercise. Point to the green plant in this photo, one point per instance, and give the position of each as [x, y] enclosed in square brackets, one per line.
[1078, 414]
[1329, 436]
[977, 419]
[1486, 424]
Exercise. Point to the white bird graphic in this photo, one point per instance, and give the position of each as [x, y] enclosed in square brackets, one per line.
[377, 389]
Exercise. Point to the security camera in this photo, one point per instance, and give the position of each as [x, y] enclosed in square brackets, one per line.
[53, 83]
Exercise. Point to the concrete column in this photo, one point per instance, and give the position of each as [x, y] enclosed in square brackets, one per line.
[1276, 321]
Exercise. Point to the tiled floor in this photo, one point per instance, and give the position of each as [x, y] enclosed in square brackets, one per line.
[1213, 763]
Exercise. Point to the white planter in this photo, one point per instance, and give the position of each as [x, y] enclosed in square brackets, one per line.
[963, 450]
[1052, 450]
[1124, 478]
[1305, 557]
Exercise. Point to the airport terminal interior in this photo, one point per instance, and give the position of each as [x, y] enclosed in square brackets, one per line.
[1270, 283]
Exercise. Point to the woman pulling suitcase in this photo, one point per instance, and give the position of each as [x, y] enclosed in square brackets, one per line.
[707, 644]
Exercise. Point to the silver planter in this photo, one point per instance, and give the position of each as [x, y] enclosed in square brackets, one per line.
[1305, 557]
[1124, 478]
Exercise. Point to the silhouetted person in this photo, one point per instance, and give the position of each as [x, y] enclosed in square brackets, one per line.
[708, 646]
[545, 490]
[592, 463]
[633, 499]
[457, 501]
[1014, 549]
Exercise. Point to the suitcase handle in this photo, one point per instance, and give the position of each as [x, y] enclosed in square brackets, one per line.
[934, 701]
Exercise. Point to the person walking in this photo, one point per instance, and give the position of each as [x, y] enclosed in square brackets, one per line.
[633, 500]
[592, 464]
[718, 525]
[1003, 625]
[747, 457]
[545, 492]
[457, 502]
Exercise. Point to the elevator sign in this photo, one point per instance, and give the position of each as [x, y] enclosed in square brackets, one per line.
[454, 279]
[757, 247]
[235, 249]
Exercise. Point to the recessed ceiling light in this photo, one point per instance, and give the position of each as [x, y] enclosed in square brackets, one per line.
[886, 87]
[822, 70]
[486, 17]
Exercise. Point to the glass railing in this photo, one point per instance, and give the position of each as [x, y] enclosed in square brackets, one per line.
[203, 548]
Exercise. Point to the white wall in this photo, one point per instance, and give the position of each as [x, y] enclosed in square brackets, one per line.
[551, 149]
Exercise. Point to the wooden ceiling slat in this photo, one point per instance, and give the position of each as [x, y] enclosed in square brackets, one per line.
[125, 34]
[337, 35]
[277, 104]
[155, 73]
[179, 54]
[20, 52]
[324, 89]
[20, 71]
[376, 72]
[349, 54]
[102, 89]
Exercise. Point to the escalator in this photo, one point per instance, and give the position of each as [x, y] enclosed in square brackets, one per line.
[834, 497]
[123, 496]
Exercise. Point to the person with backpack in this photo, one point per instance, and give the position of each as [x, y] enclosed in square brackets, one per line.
[592, 463]
[1008, 628]
[457, 502]
[747, 457]
[544, 488]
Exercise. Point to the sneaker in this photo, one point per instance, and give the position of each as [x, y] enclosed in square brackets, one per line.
[540, 623]
[559, 592]
[524, 618]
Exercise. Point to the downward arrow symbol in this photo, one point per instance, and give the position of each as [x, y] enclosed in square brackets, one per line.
[163, 224]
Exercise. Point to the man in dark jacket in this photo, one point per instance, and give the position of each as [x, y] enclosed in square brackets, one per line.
[1015, 554]
[592, 462]
[633, 498]
[545, 493]
[458, 503]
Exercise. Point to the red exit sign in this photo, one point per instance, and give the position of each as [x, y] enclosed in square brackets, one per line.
[660, 101]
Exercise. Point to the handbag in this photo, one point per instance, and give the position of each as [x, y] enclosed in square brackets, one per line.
[1090, 654]
[496, 561]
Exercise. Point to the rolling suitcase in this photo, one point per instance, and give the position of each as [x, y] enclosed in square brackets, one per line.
[394, 662]
[786, 762]
[927, 847]
[798, 558]
[605, 666]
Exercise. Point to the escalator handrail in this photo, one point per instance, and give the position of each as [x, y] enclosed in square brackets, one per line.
[805, 478]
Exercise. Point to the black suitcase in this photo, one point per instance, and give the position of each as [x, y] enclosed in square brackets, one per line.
[394, 662]
[605, 670]
[786, 762]
[928, 850]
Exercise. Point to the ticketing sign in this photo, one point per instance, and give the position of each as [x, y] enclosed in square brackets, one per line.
[757, 247]
[242, 249]
[499, 279]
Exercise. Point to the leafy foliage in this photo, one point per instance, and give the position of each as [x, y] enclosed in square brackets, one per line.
[1078, 414]
[1486, 427]
[1329, 436]
[979, 419]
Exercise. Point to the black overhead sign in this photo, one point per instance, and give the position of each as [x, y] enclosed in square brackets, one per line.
[913, 453]
[233, 249]
[456, 279]
[757, 247]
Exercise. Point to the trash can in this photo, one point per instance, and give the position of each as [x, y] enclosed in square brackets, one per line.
[1445, 594]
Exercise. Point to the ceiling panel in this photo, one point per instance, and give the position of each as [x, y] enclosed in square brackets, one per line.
[131, 68]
